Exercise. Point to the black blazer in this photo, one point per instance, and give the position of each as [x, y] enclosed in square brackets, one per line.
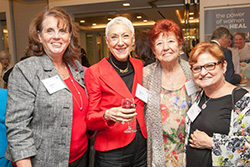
[230, 73]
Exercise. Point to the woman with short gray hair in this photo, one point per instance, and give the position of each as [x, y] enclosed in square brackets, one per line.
[108, 83]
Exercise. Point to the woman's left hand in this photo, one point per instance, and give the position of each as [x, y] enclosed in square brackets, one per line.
[201, 140]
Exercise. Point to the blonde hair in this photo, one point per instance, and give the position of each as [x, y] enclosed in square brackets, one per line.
[3, 54]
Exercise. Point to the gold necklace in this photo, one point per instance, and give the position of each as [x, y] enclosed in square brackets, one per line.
[121, 71]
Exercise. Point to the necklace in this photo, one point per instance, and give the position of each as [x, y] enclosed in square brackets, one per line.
[79, 94]
[204, 105]
[121, 71]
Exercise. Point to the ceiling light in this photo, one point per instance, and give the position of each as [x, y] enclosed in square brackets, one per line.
[126, 4]
[191, 18]
[94, 24]
[109, 19]
[145, 21]
[82, 21]
[5, 31]
[191, 13]
[138, 17]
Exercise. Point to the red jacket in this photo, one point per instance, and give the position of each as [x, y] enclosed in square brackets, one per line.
[106, 89]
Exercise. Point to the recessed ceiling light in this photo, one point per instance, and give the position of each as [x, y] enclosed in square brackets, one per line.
[109, 19]
[126, 4]
[145, 21]
[191, 18]
[138, 17]
[191, 13]
[94, 24]
[82, 21]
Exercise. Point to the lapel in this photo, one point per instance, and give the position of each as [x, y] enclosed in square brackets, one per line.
[137, 76]
[114, 81]
[50, 69]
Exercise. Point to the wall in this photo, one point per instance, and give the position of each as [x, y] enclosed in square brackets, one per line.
[205, 4]
[24, 12]
[6, 6]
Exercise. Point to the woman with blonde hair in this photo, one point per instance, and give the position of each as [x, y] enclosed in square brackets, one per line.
[5, 63]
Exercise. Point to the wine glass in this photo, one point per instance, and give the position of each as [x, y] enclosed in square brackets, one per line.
[128, 103]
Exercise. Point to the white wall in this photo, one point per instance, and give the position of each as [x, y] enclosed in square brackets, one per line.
[6, 6]
[24, 12]
[205, 4]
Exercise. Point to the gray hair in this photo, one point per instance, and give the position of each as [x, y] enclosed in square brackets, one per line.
[220, 32]
[120, 20]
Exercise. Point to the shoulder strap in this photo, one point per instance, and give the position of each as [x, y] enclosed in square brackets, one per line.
[233, 95]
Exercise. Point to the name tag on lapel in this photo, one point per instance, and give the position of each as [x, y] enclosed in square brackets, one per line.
[141, 93]
[53, 84]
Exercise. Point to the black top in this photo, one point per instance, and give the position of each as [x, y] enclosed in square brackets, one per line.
[215, 118]
[127, 77]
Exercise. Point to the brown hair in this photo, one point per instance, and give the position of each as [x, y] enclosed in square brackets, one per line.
[142, 48]
[165, 26]
[63, 19]
[242, 34]
[206, 47]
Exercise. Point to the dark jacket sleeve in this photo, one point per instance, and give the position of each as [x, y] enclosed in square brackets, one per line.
[230, 74]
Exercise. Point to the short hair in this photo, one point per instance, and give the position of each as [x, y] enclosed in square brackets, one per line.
[165, 26]
[242, 34]
[4, 54]
[63, 19]
[120, 20]
[220, 32]
[142, 48]
[206, 47]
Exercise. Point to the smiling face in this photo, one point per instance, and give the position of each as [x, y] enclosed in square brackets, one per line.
[166, 48]
[209, 79]
[239, 41]
[54, 37]
[120, 41]
[4, 61]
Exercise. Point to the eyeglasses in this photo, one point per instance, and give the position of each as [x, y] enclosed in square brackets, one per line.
[209, 67]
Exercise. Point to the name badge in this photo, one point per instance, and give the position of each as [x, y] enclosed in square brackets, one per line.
[53, 84]
[141, 93]
[193, 111]
[191, 87]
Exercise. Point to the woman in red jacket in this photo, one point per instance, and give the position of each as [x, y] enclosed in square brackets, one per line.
[108, 82]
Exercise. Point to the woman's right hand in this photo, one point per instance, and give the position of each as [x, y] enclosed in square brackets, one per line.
[24, 163]
[119, 114]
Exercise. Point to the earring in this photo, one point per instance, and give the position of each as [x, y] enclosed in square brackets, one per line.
[41, 49]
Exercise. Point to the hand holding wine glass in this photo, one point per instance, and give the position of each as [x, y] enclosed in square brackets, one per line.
[128, 103]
